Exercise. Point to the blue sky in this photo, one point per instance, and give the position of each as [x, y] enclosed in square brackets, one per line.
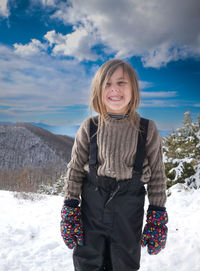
[51, 49]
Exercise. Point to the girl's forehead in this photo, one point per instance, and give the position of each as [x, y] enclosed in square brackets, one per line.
[119, 73]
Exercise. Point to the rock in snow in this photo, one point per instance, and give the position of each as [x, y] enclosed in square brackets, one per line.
[30, 234]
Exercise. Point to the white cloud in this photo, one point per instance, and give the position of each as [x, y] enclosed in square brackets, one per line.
[44, 3]
[145, 84]
[53, 38]
[158, 103]
[4, 8]
[160, 32]
[29, 84]
[159, 94]
[165, 53]
[32, 48]
[48, 2]
[76, 44]
[156, 32]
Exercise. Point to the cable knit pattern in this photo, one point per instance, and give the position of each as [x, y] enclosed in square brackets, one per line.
[117, 144]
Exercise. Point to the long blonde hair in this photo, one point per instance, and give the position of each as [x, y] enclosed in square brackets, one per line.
[99, 82]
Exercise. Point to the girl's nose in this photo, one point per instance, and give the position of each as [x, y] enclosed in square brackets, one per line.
[114, 87]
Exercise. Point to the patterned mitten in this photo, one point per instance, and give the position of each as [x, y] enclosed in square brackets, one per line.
[155, 230]
[71, 228]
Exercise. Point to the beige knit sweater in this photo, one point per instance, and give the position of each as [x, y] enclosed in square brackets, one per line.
[117, 144]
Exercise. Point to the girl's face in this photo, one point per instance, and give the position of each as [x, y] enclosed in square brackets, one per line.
[117, 93]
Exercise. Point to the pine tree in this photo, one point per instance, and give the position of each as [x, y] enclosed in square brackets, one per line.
[55, 189]
[182, 152]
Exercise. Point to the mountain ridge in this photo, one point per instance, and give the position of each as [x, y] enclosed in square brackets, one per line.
[31, 153]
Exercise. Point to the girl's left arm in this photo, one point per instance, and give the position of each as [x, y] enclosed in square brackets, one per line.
[156, 186]
[155, 231]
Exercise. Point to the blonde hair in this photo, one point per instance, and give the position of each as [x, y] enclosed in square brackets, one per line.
[99, 82]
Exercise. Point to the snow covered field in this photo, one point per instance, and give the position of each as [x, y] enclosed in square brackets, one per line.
[30, 234]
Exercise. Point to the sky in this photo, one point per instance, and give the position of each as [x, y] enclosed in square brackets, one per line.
[51, 49]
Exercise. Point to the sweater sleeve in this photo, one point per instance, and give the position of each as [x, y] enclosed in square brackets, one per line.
[156, 187]
[75, 168]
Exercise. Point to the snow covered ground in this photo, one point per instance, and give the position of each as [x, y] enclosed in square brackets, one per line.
[30, 234]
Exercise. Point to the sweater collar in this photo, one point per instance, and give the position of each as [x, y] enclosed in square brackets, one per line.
[118, 121]
[117, 116]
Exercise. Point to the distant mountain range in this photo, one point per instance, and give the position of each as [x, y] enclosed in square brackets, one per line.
[70, 130]
[31, 155]
[60, 130]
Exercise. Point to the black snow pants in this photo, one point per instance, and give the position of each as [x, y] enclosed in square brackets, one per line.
[112, 215]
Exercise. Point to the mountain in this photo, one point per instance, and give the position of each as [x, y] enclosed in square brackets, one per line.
[61, 130]
[31, 155]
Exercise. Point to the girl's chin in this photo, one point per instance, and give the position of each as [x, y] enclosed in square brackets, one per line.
[115, 110]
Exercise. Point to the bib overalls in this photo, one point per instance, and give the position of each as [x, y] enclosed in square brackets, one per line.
[112, 214]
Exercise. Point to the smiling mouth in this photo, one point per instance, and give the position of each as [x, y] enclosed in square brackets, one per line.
[115, 99]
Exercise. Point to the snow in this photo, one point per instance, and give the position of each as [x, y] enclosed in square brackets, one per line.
[178, 150]
[183, 248]
[195, 178]
[198, 135]
[182, 160]
[30, 234]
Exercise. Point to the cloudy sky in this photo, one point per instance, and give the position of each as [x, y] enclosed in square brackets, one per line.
[51, 49]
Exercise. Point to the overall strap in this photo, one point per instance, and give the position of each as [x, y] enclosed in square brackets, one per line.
[93, 144]
[141, 151]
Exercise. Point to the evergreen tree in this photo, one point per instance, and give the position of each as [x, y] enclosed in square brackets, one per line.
[56, 189]
[182, 153]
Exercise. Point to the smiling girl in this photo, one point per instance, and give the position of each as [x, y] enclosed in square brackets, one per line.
[114, 155]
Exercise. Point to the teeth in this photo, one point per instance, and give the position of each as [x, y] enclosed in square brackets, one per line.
[116, 99]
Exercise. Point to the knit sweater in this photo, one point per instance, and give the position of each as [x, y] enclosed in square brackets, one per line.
[117, 144]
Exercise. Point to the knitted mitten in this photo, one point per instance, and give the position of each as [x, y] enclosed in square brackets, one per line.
[71, 228]
[155, 230]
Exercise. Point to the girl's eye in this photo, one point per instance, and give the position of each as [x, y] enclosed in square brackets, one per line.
[107, 84]
[121, 83]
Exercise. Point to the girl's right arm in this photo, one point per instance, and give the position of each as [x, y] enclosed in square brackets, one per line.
[75, 168]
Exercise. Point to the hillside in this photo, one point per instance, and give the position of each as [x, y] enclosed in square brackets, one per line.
[31, 154]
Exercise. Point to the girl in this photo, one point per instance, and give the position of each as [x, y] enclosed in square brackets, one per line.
[114, 154]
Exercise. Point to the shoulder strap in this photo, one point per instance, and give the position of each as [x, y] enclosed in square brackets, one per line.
[93, 143]
[141, 151]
